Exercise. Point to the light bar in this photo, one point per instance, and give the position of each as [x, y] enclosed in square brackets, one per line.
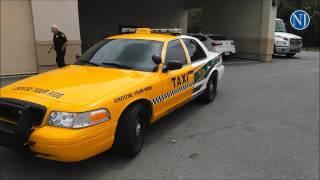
[172, 31]
[148, 30]
[128, 30]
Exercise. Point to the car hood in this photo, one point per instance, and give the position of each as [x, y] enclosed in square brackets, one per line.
[79, 85]
[286, 35]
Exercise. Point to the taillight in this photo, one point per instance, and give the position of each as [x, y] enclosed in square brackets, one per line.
[216, 44]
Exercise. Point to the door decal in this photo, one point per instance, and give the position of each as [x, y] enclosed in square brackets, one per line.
[171, 93]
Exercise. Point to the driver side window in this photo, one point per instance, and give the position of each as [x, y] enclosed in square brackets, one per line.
[175, 52]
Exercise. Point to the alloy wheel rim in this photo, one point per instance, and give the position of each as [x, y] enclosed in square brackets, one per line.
[211, 86]
[138, 129]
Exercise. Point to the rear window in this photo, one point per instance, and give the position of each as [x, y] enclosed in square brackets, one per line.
[201, 38]
[195, 50]
[218, 37]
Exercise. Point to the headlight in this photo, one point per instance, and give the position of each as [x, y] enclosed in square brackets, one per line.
[282, 43]
[78, 120]
[284, 38]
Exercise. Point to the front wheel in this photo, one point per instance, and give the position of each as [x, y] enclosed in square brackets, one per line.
[210, 93]
[130, 131]
[290, 54]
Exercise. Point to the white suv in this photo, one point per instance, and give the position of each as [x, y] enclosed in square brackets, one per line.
[285, 43]
[217, 43]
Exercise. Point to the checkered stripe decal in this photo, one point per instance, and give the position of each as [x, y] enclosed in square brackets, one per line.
[171, 93]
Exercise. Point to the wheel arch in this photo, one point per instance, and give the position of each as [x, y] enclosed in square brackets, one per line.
[147, 105]
[214, 71]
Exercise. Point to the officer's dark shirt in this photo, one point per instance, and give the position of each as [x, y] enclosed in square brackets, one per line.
[59, 39]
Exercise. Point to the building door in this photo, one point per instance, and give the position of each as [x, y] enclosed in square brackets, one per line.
[18, 53]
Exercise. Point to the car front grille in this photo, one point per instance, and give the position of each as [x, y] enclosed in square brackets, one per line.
[295, 42]
[11, 110]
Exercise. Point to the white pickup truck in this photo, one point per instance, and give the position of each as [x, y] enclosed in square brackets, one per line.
[285, 43]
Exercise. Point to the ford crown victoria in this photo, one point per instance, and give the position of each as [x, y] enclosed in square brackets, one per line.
[109, 97]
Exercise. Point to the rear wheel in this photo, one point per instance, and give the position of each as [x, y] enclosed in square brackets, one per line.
[226, 57]
[210, 93]
[130, 131]
[290, 54]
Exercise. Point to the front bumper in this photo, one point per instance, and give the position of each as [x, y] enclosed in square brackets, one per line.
[22, 129]
[16, 119]
[69, 145]
[287, 49]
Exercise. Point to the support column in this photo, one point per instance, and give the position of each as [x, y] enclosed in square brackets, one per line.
[268, 16]
[250, 23]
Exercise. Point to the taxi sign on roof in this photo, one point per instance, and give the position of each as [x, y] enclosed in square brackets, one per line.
[143, 31]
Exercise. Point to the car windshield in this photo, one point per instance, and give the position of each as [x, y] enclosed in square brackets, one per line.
[280, 27]
[123, 53]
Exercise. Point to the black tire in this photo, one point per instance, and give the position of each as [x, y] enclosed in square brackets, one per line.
[224, 57]
[130, 131]
[290, 54]
[210, 93]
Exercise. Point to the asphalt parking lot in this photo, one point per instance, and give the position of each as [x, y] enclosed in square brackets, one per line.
[263, 124]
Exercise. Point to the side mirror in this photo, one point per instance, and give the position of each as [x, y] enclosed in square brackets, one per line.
[156, 59]
[173, 65]
[77, 56]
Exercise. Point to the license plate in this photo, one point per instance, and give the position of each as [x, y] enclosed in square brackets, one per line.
[227, 53]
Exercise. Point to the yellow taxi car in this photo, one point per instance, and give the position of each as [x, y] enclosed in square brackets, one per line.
[109, 96]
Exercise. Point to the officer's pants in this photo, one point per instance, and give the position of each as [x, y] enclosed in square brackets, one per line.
[60, 58]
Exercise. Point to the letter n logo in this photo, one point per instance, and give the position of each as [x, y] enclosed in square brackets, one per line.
[300, 20]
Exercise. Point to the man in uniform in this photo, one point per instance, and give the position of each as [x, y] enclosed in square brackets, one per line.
[59, 45]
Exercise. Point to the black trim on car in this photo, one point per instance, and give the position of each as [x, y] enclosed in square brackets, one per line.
[16, 120]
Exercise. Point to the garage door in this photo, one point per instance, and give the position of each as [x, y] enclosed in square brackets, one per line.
[18, 55]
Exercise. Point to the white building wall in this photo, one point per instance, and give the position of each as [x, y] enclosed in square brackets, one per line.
[65, 14]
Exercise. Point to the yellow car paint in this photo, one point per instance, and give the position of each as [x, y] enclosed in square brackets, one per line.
[147, 36]
[77, 88]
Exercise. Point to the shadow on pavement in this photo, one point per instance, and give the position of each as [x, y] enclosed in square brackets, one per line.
[284, 57]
